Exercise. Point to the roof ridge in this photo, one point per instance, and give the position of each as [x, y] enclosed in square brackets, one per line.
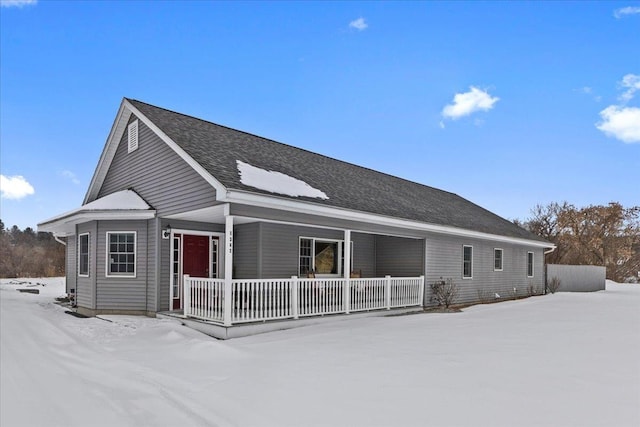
[294, 147]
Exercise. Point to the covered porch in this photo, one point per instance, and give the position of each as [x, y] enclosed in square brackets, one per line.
[311, 270]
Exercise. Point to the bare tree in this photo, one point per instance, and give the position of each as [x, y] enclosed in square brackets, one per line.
[594, 235]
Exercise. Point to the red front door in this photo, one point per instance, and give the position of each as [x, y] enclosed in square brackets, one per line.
[195, 261]
[195, 256]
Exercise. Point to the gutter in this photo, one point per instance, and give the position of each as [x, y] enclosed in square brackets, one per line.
[553, 248]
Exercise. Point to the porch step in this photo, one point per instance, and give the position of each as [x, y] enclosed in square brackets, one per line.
[246, 329]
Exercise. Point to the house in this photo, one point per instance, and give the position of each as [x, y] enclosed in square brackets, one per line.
[181, 212]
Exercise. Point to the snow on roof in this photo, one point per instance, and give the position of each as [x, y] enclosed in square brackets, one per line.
[120, 200]
[276, 182]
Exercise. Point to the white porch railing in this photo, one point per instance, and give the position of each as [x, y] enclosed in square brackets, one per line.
[204, 298]
[272, 299]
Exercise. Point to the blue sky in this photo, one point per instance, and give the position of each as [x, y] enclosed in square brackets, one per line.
[506, 104]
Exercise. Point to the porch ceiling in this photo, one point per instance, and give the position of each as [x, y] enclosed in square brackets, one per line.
[212, 214]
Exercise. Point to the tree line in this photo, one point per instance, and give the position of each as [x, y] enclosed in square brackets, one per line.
[605, 235]
[25, 253]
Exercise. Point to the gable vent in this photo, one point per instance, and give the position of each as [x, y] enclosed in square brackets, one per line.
[133, 136]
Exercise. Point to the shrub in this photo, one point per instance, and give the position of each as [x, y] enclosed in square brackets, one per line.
[554, 284]
[445, 292]
[484, 296]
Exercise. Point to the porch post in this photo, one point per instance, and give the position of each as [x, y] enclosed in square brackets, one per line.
[294, 297]
[228, 269]
[387, 291]
[186, 297]
[347, 270]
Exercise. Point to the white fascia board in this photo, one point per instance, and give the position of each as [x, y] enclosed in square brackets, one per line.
[220, 189]
[108, 152]
[252, 199]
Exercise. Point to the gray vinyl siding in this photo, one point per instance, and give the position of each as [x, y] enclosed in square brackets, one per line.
[444, 260]
[165, 255]
[71, 263]
[85, 286]
[246, 261]
[163, 179]
[396, 256]
[364, 254]
[122, 293]
[279, 249]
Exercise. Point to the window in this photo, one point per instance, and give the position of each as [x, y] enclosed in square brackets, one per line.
[497, 259]
[214, 258]
[322, 256]
[529, 264]
[83, 255]
[176, 266]
[121, 254]
[305, 265]
[467, 262]
[133, 136]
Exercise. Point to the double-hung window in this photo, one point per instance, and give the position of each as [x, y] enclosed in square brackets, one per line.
[497, 259]
[83, 255]
[467, 262]
[529, 264]
[121, 254]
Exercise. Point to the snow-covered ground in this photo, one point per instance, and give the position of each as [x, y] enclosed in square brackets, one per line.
[567, 359]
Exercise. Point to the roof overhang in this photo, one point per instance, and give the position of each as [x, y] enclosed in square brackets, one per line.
[274, 202]
[122, 205]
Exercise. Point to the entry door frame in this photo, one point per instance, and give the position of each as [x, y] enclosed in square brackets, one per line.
[182, 232]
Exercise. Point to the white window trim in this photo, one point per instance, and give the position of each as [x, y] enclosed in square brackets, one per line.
[501, 259]
[88, 254]
[172, 283]
[463, 276]
[132, 136]
[313, 254]
[182, 232]
[533, 263]
[135, 256]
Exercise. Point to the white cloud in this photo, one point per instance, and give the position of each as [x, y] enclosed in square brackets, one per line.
[14, 187]
[622, 123]
[72, 176]
[632, 83]
[629, 10]
[17, 3]
[468, 103]
[359, 24]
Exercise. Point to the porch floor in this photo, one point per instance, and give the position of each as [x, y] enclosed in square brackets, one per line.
[246, 329]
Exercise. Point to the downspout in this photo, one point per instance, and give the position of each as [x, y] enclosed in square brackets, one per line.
[545, 267]
[57, 239]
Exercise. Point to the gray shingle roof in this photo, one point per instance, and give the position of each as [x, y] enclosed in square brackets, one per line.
[347, 185]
